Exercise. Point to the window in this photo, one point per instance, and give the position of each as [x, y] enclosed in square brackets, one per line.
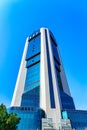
[33, 47]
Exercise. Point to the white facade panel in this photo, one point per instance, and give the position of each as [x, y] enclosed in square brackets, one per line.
[16, 100]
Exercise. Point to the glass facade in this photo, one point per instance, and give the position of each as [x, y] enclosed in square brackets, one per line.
[30, 117]
[33, 47]
[56, 62]
[66, 100]
[30, 111]
[31, 98]
[78, 118]
[33, 77]
[31, 95]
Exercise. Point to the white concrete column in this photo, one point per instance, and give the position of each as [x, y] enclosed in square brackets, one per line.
[16, 100]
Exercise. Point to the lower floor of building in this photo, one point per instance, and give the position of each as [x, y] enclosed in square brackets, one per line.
[35, 119]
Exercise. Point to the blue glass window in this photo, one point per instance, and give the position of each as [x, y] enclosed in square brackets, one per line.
[54, 49]
[59, 79]
[31, 98]
[64, 115]
[33, 47]
[30, 117]
[31, 93]
[33, 60]
[32, 77]
[78, 118]
[53, 39]
[67, 101]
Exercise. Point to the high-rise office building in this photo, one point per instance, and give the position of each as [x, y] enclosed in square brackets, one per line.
[42, 98]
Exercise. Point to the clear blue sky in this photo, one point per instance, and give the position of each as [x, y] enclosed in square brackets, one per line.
[67, 19]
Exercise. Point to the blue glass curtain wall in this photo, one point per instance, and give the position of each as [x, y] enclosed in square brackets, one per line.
[33, 47]
[78, 118]
[56, 62]
[31, 98]
[31, 95]
[66, 101]
[30, 118]
[33, 76]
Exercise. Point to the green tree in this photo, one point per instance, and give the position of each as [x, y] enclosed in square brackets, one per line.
[8, 121]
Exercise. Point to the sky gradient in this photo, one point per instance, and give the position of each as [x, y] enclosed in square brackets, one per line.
[67, 19]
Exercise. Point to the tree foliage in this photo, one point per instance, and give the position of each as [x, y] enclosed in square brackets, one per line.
[8, 121]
